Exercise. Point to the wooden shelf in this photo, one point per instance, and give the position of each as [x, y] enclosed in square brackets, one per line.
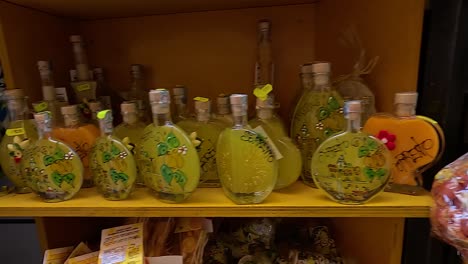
[90, 9]
[296, 201]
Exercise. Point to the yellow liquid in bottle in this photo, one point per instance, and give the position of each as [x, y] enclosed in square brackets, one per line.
[168, 162]
[20, 135]
[247, 167]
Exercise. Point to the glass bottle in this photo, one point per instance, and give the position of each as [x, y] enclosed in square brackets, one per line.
[138, 92]
[20, 134]
[95, 107]
[112, 163]
[271, 126]
[79, 136]
[318, 114]
[179, 96]
[352, 167]
[49, 102]
[264, 66]
[223, 115]
[102, 91]
[415, 142]
[166, 156]
[206, 131]
[52, 168]
[84, 87]
[130, 131]
[247, 167]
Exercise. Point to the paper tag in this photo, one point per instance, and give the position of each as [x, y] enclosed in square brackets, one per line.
[11, 132]
[61, 94]
[201, 99]
[83, 87]
[262, 92]
[79, 250]
[90, 258]
[39, 107]
[57, 255]
[165, 260]
[276, 152]
[123, 244]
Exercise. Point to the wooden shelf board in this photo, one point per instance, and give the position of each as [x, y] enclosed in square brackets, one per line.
[91, 9]
[296, 201]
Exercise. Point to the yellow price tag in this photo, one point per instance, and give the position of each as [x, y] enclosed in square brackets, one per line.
[40, 107]
[201, 99]
[83, 87]
[11, 132]
[262, 92]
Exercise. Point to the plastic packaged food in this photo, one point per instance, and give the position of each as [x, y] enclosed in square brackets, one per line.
[449, 214]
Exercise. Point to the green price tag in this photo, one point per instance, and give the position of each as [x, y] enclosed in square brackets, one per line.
[11, 132]
[83, 87]
[40, 107]
[262, 92]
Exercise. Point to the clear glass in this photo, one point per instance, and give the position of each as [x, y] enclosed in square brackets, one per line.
[53, 169]
[354, 88]
[290, 165]
[132, 129]
[113, 165]
[264, 65]
[317, 116]
[246, 164]
[81, 138]
[138, 93]
[352, 167]
[168, 160]
[415, 142]
[21, 133]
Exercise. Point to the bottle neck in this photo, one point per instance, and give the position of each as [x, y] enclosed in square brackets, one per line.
[136, 84]
[240, 121]
[161, 114]
[72, 120]
[181, 109]
[307, 81]
[43, 132]
[130, 118]
[405, 110]
[223, 109]
[17, 109]
[322, 82]
[46, 78]
[203, 116]
[106, 127]
[265, 113]
[81, 62]
[354, 122]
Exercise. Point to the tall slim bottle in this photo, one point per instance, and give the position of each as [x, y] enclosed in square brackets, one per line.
[50, 102]
[138, 92]
[167, 158]
[179, 95]
[103, 92]
[247, 167]
[79, 136]
[84, 87]
[318, 114]
[264, 66]
[20, 134]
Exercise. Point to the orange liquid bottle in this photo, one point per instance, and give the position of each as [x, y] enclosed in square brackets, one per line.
[80, 137]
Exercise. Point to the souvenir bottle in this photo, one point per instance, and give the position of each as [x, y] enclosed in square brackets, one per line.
[247, 167]
[112, 163]
[84, 86]
[166, 156]
[52, 168]
[352, 167]
[415, 142]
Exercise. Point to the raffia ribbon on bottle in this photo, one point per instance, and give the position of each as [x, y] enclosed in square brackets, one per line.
[358, 70]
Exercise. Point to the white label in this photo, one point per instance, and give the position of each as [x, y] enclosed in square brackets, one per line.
[276, 152]
[122, 244]
[61, 94]
[165, 260]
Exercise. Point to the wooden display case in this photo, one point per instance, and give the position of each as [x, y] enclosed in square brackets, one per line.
[210, 47]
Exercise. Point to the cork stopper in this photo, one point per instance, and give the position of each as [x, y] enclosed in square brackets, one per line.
[69, 110]
[239, 104]
[406, 98]
[44, 66]
[160, 100]
[128, 107]
[321, 67]
[353, 109]
[203, 105]
[264, 24]
[95, 106]
[75, 38]
[48, 93]
[307, 68]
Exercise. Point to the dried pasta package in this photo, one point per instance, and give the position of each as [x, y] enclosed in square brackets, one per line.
[449, 214]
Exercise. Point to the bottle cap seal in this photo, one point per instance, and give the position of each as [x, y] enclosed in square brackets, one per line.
[128, 107]
[48, 92]
[264, 24]
[76, 38]
[159, 96]
[69, 110]
[406, 98]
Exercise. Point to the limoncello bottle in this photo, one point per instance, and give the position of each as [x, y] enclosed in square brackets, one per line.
[52, 168]
[80, 137]
[247, 167]
[352, 167]
[415, 142]
[266, 122]
[206, 132]
[167, 159]
[318, 114]
[20, 134]
[112, 163]
[131, 130]
[223, 115]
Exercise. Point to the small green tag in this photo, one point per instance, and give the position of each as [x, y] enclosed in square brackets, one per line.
[11, 132]
[262, 92]
[83, 87]
[102, 114]
[39, 107]
[201, 99]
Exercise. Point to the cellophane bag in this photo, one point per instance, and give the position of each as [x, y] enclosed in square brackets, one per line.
[449, 214]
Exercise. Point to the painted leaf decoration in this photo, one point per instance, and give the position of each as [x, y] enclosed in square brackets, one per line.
[172, 140]
[106, 156]
[57, 178]
[363, 151]
[181, 179]
[323, 113]
[114, 150]
[48, 160]
[69, 177]
[59, 154]
[167, 174]
[380, 172]
[162, 149]
[369, 173]
[116, 176]
[333, 103]
[372, 145]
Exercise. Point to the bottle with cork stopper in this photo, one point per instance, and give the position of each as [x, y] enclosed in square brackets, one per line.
[130, 130]
[264, 67]
[113, 165]
[84, 87]
[54, 170]
[223, 114]
[79, 136]
[317, 115]
[179, 95]
[166, 156]
[407, 136]
[20, 134]
[247, 166]
[272, 127]
[352, 167]
[138, 92]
